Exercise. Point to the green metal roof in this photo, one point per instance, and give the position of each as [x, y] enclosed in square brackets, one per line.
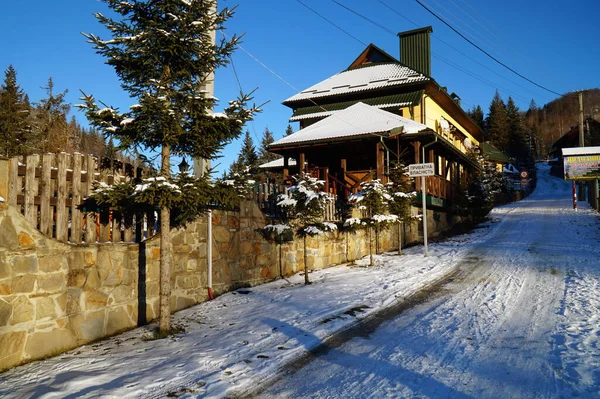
[493, 154]
[406, 99]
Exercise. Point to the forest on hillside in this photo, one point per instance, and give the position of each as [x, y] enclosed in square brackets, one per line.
[557, 117]
[44, 126]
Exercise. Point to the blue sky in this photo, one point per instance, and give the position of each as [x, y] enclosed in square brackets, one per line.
[554, 46]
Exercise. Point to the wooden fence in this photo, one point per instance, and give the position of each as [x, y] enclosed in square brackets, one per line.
[47, 190]
[266, 196]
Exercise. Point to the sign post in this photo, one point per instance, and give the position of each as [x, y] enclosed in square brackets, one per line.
[416, 170]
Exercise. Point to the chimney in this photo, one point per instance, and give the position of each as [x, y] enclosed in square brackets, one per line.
[415, 49]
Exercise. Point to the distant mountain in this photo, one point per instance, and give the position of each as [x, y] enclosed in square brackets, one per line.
[558, 117]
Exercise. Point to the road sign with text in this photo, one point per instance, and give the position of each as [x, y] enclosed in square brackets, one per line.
[421, 169]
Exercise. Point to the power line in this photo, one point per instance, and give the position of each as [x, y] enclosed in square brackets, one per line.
[467, 72]
[485, 52]
[332, 23]
[464, 55]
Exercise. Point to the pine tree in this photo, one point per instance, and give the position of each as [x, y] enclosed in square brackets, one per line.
[264, 155]
[497, 123]
[518, 143]
[305, 210]
[51, 120]
[15, 128]
[247, 160]
[289, 130]
[477, 115]
[163, 52]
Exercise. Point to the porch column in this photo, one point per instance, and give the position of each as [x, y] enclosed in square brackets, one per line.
[286, 167]
[380, 157]
[301, 162]
[326, 173]
[417, 146]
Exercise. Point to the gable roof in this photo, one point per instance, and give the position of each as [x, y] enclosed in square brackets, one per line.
[355, 121]
[382, 102]
[363, 78]
[372, 54]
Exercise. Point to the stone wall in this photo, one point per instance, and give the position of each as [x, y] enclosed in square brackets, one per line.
[56, 296]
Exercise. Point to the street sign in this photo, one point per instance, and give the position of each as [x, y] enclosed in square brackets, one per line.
[524, 182]
[421, 169]
[524, 174]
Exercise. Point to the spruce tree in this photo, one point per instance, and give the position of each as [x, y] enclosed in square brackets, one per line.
[51, 120]
[518, 143]
[289, 130]
[264, 155]
[14, 113]
[247, 160]
[477, 115]
[163, 53]
[497, 124]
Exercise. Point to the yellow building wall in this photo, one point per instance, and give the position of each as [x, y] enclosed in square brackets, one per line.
[433, 112]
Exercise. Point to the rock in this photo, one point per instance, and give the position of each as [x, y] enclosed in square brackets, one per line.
[92, 279]
[52, 263]
[25, 264]
[41, 344]
[118, 320]
[5, 288]
[88, 327]
[122, 294]
[5, 313]
[45, 307]
[94, 299]
[23, 310]
[77, 278]
[23, 284]
[51, 283]
[265, 272]
[221, 234]
[4, 270]
[11, 348]
[25, 239]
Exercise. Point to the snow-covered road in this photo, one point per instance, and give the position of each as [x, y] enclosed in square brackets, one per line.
[521, 320]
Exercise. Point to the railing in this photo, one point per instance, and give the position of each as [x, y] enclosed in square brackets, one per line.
[266, 197]
[47, 190]
[437, 186]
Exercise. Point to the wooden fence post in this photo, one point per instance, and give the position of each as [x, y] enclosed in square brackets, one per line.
[4, 178]
[30, 190]
[46, 188]
[62, 217]
[76, 219]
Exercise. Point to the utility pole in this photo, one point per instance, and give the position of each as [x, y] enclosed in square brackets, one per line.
[581, 139]
[582, 186]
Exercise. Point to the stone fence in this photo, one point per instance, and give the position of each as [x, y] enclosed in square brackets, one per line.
[55, 296]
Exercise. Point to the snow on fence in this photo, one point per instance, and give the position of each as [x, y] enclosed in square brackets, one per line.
[47, 189]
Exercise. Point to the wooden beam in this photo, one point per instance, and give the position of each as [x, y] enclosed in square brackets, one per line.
[301, 162]
[380, 159]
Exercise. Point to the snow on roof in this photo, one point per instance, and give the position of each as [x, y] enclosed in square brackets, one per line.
[278, 163]
[328, 113]
[581, 151]
[361, 79]
[357, 120]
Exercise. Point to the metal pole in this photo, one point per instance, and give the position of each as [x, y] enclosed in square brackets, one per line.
[209, 253]
[424, 196]
[574, 195]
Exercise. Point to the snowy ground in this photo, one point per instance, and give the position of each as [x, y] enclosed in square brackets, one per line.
[520, 320]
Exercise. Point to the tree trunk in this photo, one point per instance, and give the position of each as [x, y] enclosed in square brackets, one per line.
[305, 263]
[164, 322]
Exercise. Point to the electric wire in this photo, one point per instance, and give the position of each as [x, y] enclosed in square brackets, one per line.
[485, 52]
[332, 23]
[464, 55]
